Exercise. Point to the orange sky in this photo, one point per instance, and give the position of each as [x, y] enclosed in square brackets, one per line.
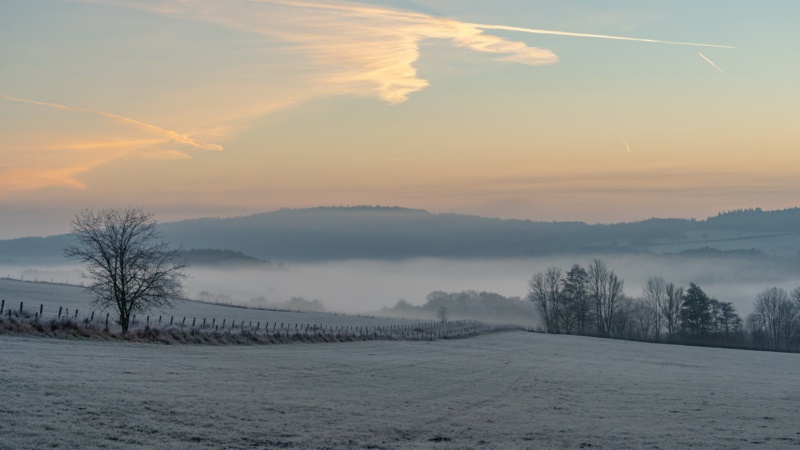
[210, 107]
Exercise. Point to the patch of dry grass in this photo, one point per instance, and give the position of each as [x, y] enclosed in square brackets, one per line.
[67, 328]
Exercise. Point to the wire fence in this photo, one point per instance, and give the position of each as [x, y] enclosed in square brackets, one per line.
[92, 322]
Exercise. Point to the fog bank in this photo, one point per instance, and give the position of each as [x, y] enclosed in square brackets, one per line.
[357, 286]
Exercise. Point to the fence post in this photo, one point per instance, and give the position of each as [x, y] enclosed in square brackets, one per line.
[194, 319]
[20, 307]
[76, 313]
[107, 314]
[170, 319]
[41, 310]
[92, 316]
[148, 321]
[2, 306]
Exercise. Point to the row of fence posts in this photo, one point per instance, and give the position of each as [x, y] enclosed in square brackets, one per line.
[424, 330]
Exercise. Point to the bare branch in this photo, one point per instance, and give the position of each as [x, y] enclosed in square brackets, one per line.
[132, 269]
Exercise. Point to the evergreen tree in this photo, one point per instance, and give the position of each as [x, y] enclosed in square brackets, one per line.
[578, 303]
[696, 315]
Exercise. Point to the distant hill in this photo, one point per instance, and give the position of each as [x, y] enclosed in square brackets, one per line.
[337, 233]
[217, 257]
[33, 247]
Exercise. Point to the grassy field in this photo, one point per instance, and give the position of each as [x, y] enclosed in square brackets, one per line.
[513, 390]
[51, 297]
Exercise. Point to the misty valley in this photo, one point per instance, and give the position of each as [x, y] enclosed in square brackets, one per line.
[399, 224]
[405, 329]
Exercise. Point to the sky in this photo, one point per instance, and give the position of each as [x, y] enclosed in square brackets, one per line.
[501, 108]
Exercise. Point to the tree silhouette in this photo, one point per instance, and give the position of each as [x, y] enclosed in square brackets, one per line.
[131, 268]
[696, 311]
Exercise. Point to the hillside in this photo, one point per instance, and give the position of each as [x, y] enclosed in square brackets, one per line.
[337, 233]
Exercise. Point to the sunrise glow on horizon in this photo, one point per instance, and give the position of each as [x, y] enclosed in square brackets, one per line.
[549, 110]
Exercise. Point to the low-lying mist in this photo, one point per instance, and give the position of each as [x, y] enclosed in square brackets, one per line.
[359, 286]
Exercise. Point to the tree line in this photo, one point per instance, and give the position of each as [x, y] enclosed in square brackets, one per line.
[489, 307]
[591, 301]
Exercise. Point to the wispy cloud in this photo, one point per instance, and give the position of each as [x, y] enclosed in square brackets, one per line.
[146, 127]
[36, 160]
[329, 48]
[364, 49]
[14, 179]
[354, 49]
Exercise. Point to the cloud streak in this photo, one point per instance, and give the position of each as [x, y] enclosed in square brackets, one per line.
[712, 64]
[153, 129]
[75, 141]
[626, 143]
[593, 36]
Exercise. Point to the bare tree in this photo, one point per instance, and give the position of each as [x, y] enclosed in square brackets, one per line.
[754, 323]
[606, 288]
[671, 308]
[545, 291]
[537, 294]
[796, 295]
[654, 294]
[778, 316]
[131, 268]
[643, 319]
[441, 314]
[598, 273]
[622, 323]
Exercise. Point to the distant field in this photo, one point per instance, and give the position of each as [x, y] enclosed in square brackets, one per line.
[514, 390]
[55, 296]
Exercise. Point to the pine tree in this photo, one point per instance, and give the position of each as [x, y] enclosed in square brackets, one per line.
[696, 311]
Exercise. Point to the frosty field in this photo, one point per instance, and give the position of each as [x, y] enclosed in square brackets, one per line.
[51, 297]
[512, 390]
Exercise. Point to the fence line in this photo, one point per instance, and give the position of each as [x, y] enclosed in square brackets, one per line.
[432, 330]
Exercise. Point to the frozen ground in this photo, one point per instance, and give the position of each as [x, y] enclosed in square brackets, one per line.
[51, 297]
[514, 390]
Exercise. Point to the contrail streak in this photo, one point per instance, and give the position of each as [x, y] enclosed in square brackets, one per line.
[626, 143]
[169, 134]
[712, 63]
[424, 18]
[587, 35]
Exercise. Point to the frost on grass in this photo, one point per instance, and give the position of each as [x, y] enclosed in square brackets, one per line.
[510, 390]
